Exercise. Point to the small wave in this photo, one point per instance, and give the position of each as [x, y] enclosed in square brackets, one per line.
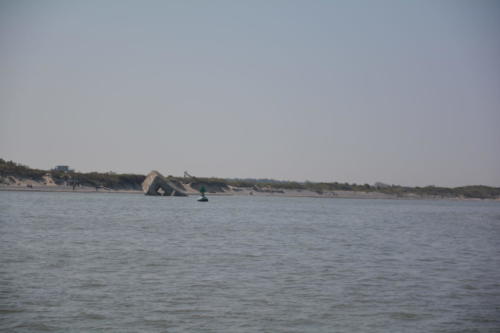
[404, 315]
[93, 316]
[7, 311]
[36, 327]
[469, 287]
[92, 285]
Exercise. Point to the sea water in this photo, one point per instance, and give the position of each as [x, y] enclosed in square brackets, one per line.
[79, 262]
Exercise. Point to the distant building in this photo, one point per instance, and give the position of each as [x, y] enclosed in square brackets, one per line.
[63, 168]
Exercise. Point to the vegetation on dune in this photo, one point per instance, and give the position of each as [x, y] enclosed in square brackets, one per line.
[9, 168]
[109, 180]
[478, 191]
[475, 191]
[211, 185]
[133, 181]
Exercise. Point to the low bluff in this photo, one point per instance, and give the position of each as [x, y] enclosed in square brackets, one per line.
[156, 184]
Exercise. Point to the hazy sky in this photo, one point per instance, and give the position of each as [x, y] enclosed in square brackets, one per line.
[403, 92]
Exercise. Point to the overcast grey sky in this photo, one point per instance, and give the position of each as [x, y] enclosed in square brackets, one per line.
[403, 92]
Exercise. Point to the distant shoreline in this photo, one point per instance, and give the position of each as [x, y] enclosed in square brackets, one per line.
[243, 192]
[17, 177]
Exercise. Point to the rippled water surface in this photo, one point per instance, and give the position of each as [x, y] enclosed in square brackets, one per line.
[72, 262]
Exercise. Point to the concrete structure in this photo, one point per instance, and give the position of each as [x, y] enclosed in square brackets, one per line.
[156, 184]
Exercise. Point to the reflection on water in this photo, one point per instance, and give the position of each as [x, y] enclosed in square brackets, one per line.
[129, 263]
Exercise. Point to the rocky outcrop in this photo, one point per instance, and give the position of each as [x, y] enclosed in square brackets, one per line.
[156, 184]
